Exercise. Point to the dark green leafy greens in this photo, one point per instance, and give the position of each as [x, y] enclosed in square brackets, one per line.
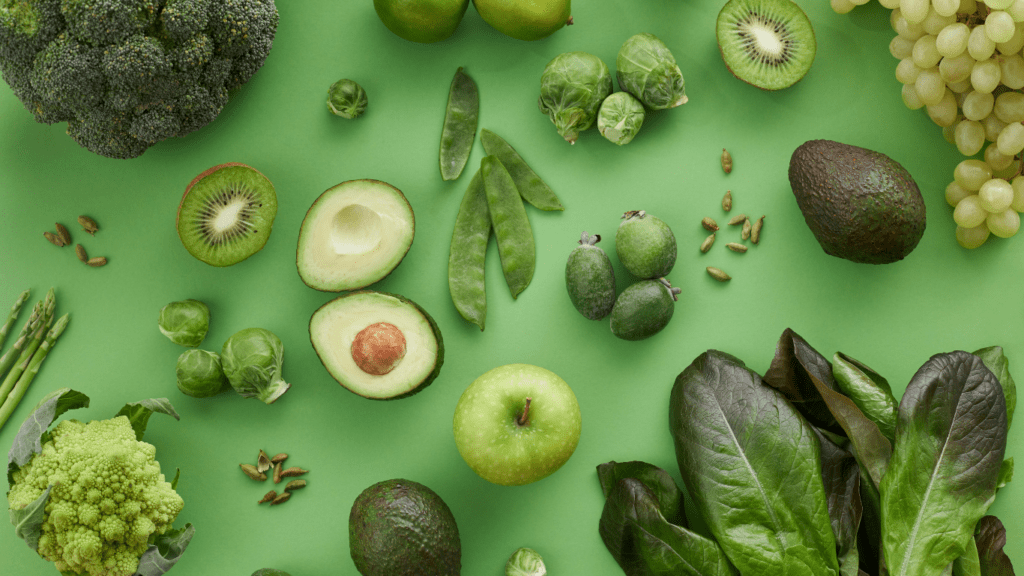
[990, 539]
[950, 440]
[868, 390]
[658, 481]
[840, 475]
[996, 361]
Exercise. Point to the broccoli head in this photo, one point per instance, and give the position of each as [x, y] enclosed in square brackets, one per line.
[126, 74]
[107, 497]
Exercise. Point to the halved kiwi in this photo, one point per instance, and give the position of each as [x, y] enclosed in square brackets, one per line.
[226, 214]
[767, 43]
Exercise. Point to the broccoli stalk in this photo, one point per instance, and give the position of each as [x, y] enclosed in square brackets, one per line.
[31, 369]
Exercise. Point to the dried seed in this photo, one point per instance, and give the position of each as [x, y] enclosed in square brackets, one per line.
[268, 497]
[277, 459]
[737, 219]
[293, 471]
[97, 261]
[277, 473]
[755, 233]
[281, 498]
[63, 233]
[727, 201]
[252, 472]
[295, 485]
[709, 224]
[54, 239]
[718, 274]
[736, 247]
[707, 243]
[262, 462]
[726, 161]
[80, 251]
[88, 224]
[746, 229]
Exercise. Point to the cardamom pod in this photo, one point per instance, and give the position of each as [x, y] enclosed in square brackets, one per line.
[737, 219]
[54, 239]
[277, 473]
[718, 274]
[268, 497]
[80, 251]
[727, 201]
[295, 485]
[755, 233]
[97, 261]
[263, 462]
[281, 498]
[63, 233]
[707, 243]
[88, 224]
[709, 224]
[746, 230]
[252, 472]
[726, 161]
[736, 247]
[277, 459]
[293, 471]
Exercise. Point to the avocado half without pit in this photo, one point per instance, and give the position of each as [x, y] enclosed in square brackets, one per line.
[353, 235]
[378, 345]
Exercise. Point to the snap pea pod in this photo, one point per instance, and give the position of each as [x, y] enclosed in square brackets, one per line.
[531, 187]
[511, 226]
[459, 125]
[469, 248]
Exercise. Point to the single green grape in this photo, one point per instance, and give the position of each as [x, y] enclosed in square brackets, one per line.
[955, 193]
[971, 174]
[972, 238]
[1018, 194]
[1004, 224]
[995, 195]
[969, 213]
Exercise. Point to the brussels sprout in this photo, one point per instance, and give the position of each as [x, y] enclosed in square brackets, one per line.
[200, 374]
[525, 562]
[620, 117]
[185, 322]
[572, 88]
[646, 69]
[347, 99]
[252, 361]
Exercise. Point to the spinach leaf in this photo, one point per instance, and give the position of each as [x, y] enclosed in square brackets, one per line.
[840, 475]
[658, 481]
[754, 464]
[996, 361]
[868, 390]
[950, 441]
[969, 564]
[645, 544]
[805, 378]
[990, 538]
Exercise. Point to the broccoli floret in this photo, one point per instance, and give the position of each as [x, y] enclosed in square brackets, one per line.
[107, 497]
[126, 74]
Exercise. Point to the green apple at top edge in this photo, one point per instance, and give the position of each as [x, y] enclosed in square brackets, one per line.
[525, 19]
[421, 20]
[516, 424]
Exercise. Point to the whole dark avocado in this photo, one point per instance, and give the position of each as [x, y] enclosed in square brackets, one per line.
[861, 205]
[402, 528]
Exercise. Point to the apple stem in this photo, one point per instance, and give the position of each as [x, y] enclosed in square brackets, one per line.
[524, 419]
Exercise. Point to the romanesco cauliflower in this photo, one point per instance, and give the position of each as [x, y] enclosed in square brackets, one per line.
[108, 497]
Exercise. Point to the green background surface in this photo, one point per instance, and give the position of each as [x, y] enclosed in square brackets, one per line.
[892, 317]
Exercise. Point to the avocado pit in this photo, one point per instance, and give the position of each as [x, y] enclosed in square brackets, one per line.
[378, 348]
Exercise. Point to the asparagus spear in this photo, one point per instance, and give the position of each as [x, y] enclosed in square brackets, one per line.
[15, 310]
[8, 359]
[36, 340]
[31, 369]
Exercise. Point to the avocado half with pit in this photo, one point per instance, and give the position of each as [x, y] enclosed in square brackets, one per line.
[353, 235]
[378, 345]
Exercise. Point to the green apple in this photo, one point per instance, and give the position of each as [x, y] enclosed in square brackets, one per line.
[516, 424]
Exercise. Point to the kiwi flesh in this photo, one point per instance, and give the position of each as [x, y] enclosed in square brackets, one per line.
[226, 214]
[767, 43]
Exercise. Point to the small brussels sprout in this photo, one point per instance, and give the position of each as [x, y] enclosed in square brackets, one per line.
[646, 69]
[347, 99]
[200, 374]
[525, 562]
[620, 117]
[185, 322]
[572, 88]
[252, 360]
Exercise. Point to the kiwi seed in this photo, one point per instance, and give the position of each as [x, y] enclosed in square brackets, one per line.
[767, 43]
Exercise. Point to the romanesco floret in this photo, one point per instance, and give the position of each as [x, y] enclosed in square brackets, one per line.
[108, 497]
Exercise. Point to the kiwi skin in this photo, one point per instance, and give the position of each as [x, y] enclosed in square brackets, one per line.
[196, 180]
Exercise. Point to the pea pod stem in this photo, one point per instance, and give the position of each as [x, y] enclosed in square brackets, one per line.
[459, 130]
[530, 186]
[468, 253]
[32, 368]
[516, 246]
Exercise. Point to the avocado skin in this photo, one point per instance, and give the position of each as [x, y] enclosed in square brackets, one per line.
[861, 205]
[402, 528]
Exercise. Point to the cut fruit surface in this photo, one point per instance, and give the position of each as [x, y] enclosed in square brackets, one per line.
[353, 235]
[226, 214]
[378, 345]
[767, 43]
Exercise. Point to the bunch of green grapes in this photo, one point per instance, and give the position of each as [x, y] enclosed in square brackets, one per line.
[961, 60]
